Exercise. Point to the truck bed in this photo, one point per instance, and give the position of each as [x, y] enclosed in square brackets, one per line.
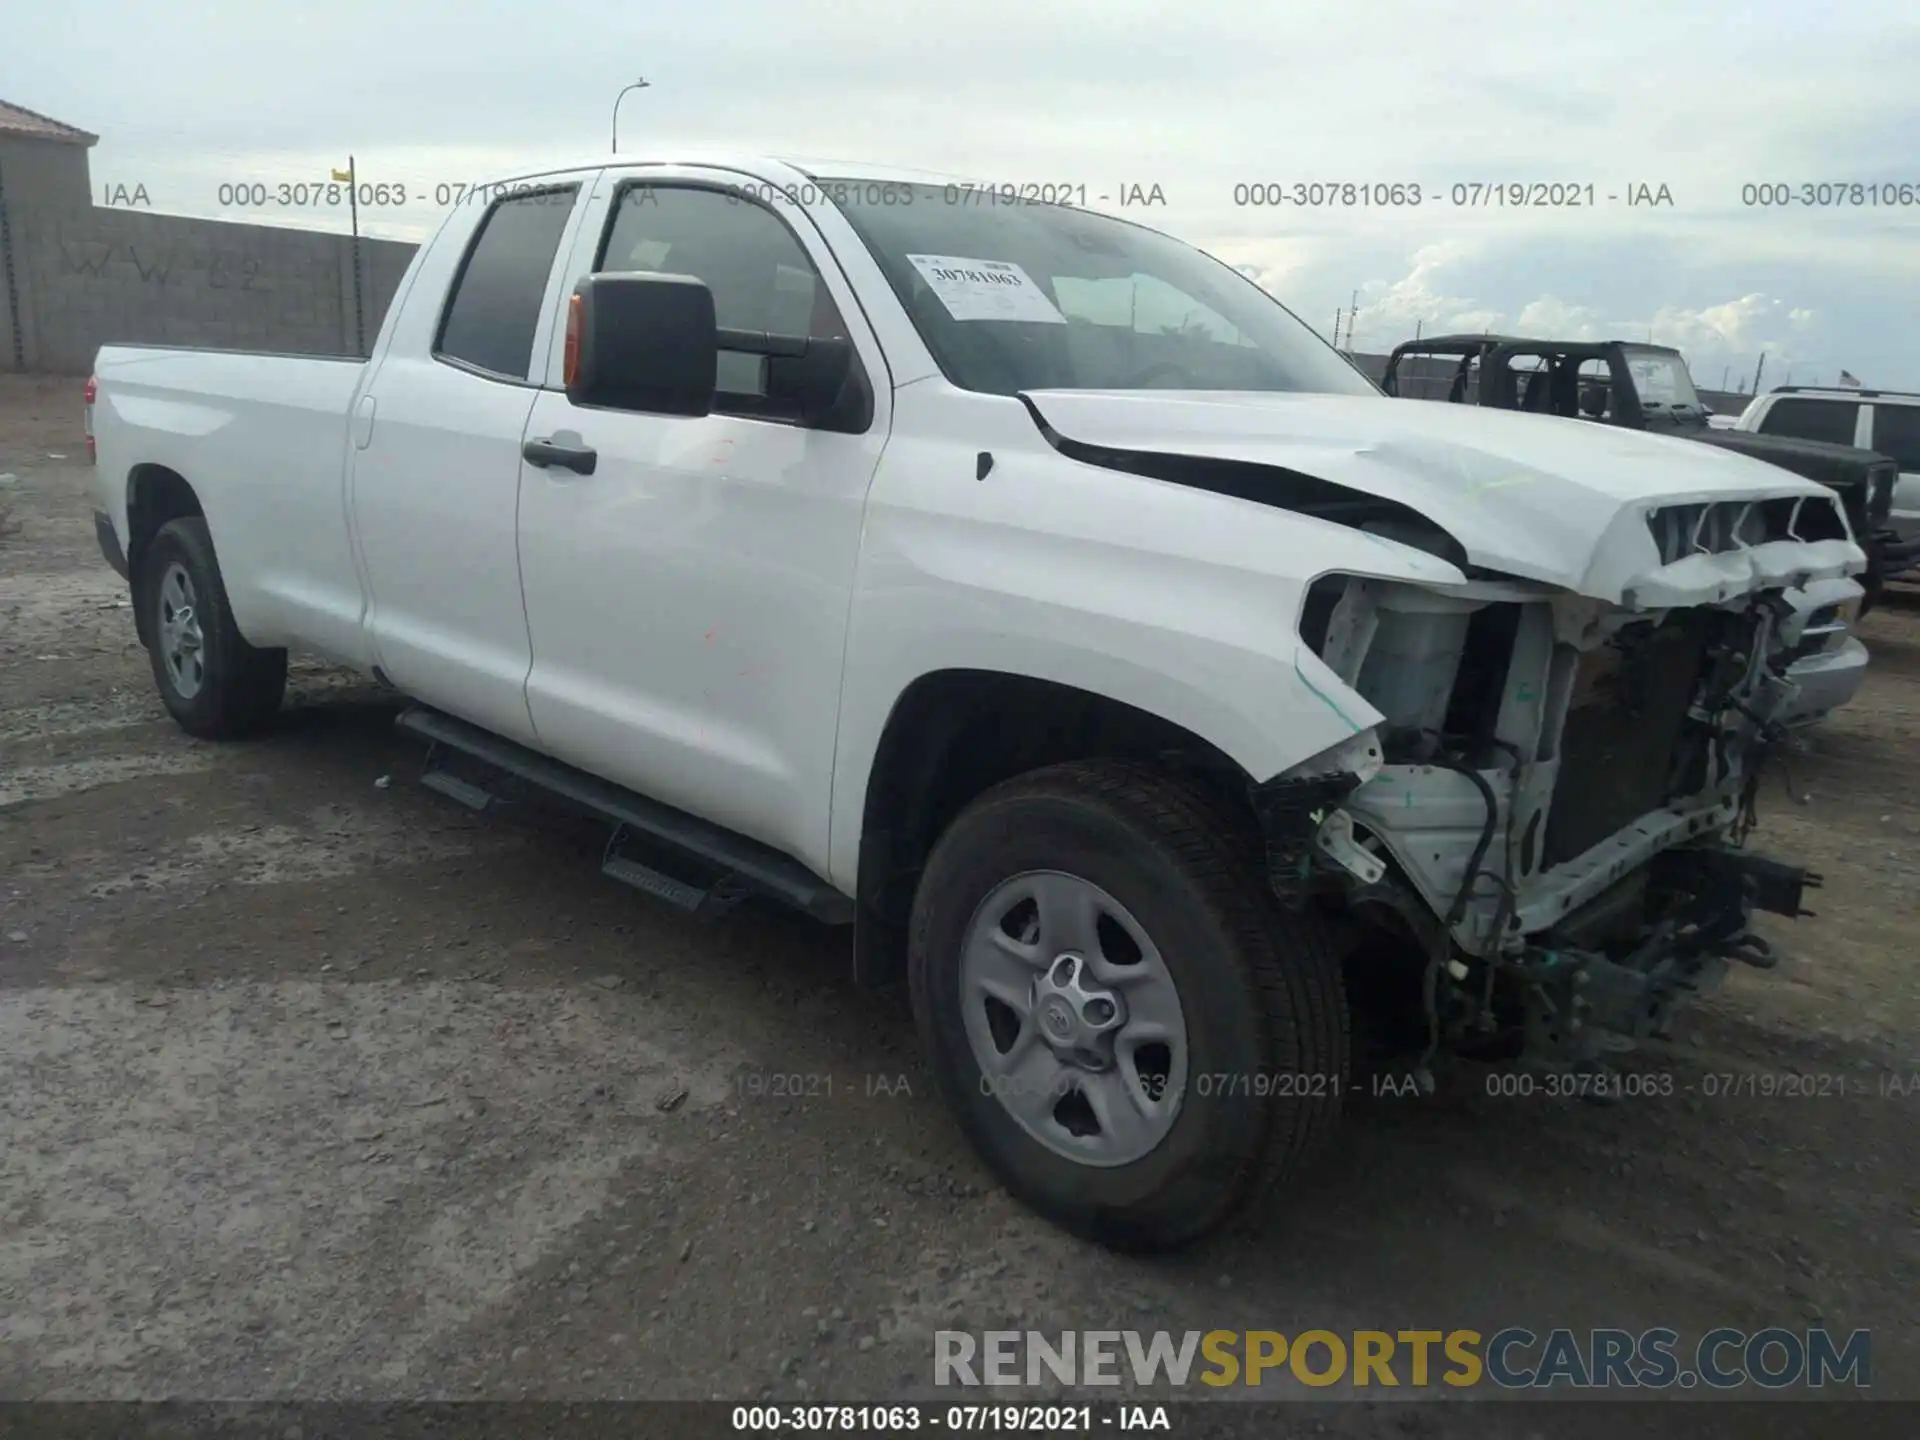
[263, 439]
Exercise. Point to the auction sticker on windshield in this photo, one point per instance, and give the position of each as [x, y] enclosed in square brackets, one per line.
[985, 289]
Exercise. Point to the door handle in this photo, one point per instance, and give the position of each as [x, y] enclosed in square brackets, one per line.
[578, 458]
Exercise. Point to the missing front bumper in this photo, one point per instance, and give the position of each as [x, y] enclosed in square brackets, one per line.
[1579, 1002]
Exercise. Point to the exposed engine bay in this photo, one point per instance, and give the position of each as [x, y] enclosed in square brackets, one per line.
[1549, 820]
[1536, 827]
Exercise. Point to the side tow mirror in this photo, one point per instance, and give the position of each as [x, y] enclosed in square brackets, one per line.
[642, 342]
[814, 381]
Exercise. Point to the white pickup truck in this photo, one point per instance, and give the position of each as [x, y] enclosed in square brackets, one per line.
[1886, 421]
[1034, 594]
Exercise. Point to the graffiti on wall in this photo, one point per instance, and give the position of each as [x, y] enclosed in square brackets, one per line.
[162, 265]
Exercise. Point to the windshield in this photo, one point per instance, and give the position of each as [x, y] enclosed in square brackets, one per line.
[1013, 296]
[1660, 379]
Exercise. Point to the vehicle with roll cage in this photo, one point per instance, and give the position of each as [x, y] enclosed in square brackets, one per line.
[1034, 596]
[1649, 387]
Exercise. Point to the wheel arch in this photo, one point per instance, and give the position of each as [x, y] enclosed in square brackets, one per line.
[953, 734]
[156, 495]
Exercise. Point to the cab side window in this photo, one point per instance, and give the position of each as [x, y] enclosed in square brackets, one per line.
[494, 309]
[1896, 432]
[761, 276]
[1828, 420]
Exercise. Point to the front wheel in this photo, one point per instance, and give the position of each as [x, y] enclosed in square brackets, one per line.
[1136, 1037]
[213, 683]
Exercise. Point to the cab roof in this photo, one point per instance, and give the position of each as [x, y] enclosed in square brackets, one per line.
[769, 167]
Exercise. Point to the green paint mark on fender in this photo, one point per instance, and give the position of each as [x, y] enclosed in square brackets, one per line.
[1325, 699]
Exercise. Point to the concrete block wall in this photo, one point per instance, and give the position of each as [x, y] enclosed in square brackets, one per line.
[38, 179]
[111, 276]
[12, 281]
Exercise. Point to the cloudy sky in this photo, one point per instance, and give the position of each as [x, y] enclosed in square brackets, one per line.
[1704, 98]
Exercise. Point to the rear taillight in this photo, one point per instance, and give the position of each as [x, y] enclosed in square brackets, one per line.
[93, 389]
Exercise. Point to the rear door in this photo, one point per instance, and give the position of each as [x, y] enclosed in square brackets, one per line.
[688, 600]
[436, 475]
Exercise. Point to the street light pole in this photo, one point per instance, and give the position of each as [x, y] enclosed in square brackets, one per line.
[637, 85]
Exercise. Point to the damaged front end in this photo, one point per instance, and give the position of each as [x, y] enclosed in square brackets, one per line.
[1549, 819]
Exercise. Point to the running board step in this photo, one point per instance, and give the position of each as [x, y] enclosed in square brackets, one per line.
[745, 866]
[708, 902]
[656, 883]
[452, 786]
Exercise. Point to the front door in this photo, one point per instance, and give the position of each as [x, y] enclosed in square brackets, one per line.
[688, 600]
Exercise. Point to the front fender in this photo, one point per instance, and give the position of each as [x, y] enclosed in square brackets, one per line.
[1180, 603]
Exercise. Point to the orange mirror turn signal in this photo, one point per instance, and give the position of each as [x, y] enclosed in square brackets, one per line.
[570, 364]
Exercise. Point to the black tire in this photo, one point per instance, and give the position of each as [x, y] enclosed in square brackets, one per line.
[240, 687]
[1259, 987]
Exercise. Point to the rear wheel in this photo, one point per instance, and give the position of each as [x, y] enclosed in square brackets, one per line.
[1133, 1033]
[211, 680]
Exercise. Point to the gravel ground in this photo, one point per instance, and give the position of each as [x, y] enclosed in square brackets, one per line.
[317, 1086]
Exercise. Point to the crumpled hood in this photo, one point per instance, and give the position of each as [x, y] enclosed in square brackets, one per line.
[1560, 501]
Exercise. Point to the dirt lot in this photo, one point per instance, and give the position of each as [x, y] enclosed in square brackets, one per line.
[317, 1085]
